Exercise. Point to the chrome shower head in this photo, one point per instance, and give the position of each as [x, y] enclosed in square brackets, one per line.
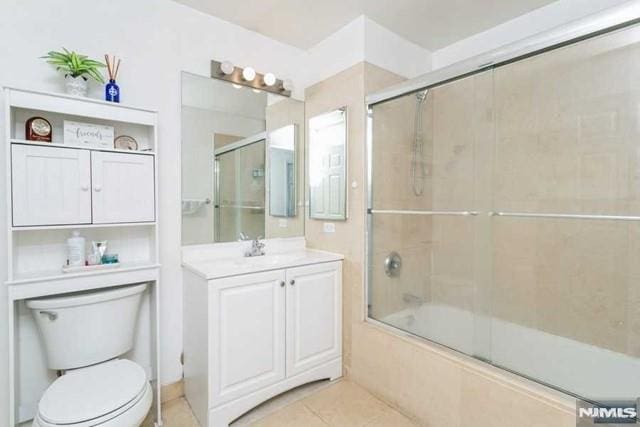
[422, 95]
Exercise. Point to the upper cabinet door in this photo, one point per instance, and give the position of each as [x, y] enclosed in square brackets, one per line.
[123, 187]
[314, 315]
[248, 334]
[50, 185]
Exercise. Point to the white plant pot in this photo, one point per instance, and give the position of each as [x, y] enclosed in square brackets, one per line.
[76, 86]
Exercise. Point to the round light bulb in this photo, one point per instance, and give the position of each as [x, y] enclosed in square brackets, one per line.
[269, 79]
[249, 74]
[227, 67]
[287, 85]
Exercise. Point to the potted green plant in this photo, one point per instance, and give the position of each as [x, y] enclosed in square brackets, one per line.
[77, 70]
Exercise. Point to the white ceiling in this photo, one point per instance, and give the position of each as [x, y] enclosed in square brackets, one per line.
[431, 24]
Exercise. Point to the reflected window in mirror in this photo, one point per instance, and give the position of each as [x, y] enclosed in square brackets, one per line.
[225, 162]
[328, 165]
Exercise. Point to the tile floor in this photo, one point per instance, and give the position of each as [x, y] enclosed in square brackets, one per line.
[340, 404]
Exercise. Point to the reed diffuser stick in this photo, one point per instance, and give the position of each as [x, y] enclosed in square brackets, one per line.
[115, 73]
[107, 60]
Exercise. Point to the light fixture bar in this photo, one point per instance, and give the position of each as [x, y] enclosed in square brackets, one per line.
[257, 82]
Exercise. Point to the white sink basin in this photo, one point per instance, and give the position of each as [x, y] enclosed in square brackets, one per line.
[266, 260]
[226, 267]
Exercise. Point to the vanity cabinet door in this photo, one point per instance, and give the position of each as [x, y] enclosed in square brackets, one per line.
[314, 315]
[50, 185]
[247, 320]
[123, 187]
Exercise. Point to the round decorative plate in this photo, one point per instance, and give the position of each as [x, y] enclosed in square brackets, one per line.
[125, 142]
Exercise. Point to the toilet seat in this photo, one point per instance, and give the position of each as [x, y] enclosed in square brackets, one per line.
[111, 393]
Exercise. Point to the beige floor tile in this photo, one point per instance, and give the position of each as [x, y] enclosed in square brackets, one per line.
[346, 404]
[294, 415]
[279, 402]
[339, 404]
[392, 418]
[177, 413]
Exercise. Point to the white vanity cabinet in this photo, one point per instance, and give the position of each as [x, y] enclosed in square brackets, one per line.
[314, 312]
[253, 336]
[248, 334]
[59, 185]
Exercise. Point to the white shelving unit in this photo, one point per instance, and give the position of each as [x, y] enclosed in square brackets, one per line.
[37, 247]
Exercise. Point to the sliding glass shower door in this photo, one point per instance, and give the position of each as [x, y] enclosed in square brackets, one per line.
[240, 192]
[504, 215]
[566, 225]
[428, 245]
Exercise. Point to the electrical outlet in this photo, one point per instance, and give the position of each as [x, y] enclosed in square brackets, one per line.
[329, 227]
[282, 223]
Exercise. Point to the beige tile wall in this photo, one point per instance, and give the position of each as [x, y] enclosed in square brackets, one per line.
[438, 387]
[567, 130]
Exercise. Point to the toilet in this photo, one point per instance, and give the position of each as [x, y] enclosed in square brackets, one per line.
[84, 334]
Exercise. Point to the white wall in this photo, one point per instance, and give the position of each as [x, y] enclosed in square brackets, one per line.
[364, 40]
[157, 39]
[543, 19]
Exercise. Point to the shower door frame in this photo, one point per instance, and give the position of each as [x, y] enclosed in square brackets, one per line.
[592, 26]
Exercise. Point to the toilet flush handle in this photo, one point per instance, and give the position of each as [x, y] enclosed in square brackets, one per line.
[51, 314]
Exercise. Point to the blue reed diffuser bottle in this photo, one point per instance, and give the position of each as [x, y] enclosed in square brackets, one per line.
[112, 90]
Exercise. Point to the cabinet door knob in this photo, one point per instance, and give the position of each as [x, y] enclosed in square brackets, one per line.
[97, 188]
[292, 282]
[282, 284]
[84, 187]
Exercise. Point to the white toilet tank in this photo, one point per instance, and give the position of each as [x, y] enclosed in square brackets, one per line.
[86, 328]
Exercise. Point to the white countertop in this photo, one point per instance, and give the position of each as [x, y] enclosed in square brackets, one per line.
[216, 268]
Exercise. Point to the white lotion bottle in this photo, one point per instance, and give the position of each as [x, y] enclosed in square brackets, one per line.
[75, 249]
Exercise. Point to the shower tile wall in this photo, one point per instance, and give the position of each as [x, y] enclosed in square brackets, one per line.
[463, 136]
[557, 133]
[437, 251]
[568, 141]
[409, 235]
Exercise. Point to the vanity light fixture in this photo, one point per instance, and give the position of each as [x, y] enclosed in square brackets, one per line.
[227, 68]
[248, 76]
[269, 79]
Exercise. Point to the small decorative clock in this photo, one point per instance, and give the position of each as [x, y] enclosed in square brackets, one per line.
[38, 129]
[125, 142]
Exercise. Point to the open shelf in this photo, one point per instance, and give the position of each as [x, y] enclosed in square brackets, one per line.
[53, 275]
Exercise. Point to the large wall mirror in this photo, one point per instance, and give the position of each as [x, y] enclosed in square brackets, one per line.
[242, 163]
[328, 165]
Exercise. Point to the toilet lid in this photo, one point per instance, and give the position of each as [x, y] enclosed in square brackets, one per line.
[92, 392]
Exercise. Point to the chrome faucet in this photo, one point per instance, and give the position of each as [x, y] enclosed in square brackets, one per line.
[257, 248]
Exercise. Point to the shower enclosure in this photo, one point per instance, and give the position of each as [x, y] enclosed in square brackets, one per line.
[240, 190]
[509, 228]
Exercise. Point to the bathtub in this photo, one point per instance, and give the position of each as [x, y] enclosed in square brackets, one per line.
[571, 366]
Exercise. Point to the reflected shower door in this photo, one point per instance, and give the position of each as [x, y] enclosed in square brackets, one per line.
[428, 247]
[240, 191]
[566, 228]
